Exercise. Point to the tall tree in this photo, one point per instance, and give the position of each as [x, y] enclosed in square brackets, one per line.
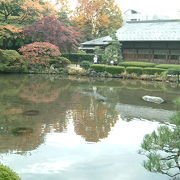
[24, 11]
[97, 18]
[50, 29]
[64, 5]
[11, 37]
[64, 12]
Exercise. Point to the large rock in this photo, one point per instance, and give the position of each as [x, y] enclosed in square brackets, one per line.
[77, 71]
[154, 99]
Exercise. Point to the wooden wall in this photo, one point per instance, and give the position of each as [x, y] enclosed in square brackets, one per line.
[157, 52]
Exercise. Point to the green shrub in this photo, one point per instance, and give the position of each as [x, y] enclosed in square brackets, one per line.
[115, 69]
[8, 56]
[7, 174]
[12, 69]
[53, 61]
[174, 71]
[136, 64]
[77, 58]
[152, 71]
[136, 70]
[59, 62]
[85, 64]
[168, 66]
[98, 67]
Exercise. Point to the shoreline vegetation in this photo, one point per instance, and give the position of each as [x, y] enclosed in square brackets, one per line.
[45, 58]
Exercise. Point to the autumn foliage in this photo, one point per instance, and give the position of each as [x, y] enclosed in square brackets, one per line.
[40, 52]
[50, 29]
[97, 18]
[25, 11]
[10, 36]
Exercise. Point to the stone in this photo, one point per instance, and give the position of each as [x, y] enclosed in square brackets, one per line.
[31, 113]
[154, 99]
[77, 71]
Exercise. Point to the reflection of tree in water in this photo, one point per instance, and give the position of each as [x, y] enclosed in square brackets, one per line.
[93, 119]
[39, 94]
[39, 91]
[11, 141]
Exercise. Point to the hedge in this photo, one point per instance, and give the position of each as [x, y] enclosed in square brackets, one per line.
[7, 174]
[136, 64]
[114, 69]
[98, 67]
[136, 70]
[77, 58]
[174, 71]
[152, 71]
[168, 66]
[12, 69]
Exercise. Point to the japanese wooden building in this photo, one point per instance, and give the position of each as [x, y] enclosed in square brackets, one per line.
[149, 41]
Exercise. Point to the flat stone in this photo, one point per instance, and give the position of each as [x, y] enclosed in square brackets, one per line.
[153, 99]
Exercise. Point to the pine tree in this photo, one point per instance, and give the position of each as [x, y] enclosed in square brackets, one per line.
[162, 148]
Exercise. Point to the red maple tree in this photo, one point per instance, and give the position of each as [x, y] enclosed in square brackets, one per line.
[50, 29]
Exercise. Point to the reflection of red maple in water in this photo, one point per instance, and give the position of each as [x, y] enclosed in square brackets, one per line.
[40, 93]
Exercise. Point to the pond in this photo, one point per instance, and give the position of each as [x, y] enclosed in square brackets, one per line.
[66, 128]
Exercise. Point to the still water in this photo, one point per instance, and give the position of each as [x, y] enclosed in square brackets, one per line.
[79, 128]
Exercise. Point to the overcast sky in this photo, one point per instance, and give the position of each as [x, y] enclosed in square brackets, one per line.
[159, 7]
[162, 7]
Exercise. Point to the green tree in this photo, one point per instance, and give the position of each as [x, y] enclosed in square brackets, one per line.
[112, 52]
[7, 174]
[65, 13]
[11, 36]
[9, 8]
[24, 11]
[162, 148]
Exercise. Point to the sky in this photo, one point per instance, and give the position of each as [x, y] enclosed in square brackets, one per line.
[159, 7]
[150, 7]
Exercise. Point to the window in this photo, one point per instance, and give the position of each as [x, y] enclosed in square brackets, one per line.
[175, 52]
[175, 57]
[160, 52]
[133, 19]
[130, 51]
[159, 56]
[144, 51]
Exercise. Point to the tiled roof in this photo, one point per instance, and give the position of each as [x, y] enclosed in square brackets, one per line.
[156, 30]
[99, 41]
[162, 30]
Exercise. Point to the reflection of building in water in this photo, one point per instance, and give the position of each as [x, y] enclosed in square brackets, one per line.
[93, 120]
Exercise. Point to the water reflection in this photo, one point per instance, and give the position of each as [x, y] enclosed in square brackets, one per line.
[31, 103]
[38, 105]
[93, 119]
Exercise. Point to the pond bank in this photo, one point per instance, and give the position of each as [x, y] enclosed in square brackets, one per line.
[77, 70]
